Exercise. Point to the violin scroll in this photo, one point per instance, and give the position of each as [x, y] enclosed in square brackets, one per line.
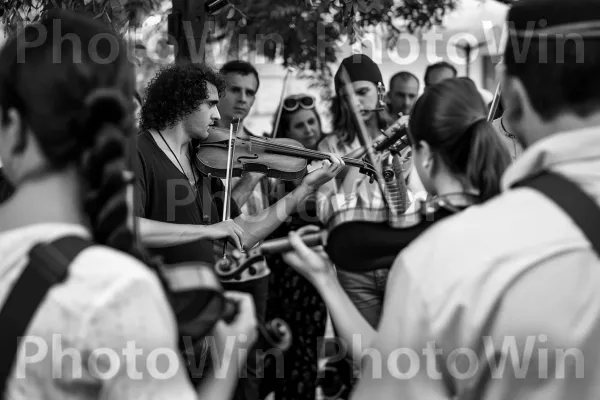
[275, 333]
[233, 266]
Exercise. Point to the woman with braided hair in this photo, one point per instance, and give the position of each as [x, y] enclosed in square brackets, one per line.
[66, 114]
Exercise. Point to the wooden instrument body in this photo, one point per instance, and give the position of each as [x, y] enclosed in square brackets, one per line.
[211, 158]
[284, 159]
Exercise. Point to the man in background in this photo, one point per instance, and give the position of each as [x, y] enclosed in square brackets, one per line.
[403, 92]
[435, 73]
[251, 193]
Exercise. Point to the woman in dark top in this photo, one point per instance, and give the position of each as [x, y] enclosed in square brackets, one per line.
[291, 296]
[460, 161]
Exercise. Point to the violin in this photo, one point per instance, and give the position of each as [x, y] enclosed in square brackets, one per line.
[283, 158]
[232, 267]
[333, 238]
[395, 137]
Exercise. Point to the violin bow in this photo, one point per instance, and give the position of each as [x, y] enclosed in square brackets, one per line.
[229, 173]
[495, 103]
[348, 93]
[281, 98]
[496, 100]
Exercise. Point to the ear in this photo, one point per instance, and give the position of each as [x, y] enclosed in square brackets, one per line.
[515, 100]
[426, 155]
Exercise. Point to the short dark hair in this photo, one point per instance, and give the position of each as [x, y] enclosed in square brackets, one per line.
[240, 67]
[405, 76]
[558, 74]
[175, 92]
[438, 65]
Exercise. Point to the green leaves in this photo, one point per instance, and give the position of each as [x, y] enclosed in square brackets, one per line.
[118, 14]
[304, 33]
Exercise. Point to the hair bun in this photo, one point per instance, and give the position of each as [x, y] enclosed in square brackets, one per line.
[102, 106]
[106, 105]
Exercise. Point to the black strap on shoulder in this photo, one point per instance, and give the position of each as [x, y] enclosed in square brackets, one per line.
[582, 209]
[48, 265]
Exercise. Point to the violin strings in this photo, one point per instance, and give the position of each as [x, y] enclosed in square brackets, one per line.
[300, 150]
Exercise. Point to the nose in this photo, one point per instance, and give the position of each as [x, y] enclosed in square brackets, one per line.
[307, 129]
[216, 115]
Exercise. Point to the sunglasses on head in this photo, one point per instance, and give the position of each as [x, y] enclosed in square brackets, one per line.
[293, 103]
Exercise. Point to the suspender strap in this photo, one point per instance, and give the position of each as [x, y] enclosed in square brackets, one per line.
[582, 209]
[48, 265]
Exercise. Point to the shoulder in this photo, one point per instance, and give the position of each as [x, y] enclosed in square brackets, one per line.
[103, 277]
[518, 224]
[328, 142]
[110, 301]
[333, 144]
[143, 141]
[251, 134]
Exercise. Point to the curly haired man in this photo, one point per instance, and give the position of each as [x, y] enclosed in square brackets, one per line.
[179, 210]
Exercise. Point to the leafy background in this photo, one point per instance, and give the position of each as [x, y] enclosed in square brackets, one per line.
[246, 25]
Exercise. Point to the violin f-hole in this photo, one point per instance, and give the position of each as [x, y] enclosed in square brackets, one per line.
[254, 157]
[250, 166]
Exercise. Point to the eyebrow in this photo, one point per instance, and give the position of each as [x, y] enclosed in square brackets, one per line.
[242, 88]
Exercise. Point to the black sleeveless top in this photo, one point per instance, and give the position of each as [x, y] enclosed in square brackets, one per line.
[361, 246]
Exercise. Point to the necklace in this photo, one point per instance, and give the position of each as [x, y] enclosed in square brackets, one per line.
[512, 137]
[204, 219]
[181, 166]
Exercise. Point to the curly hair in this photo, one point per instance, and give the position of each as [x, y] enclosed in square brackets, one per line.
[175, 92]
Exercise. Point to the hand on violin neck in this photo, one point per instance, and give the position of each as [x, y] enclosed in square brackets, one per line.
[329, 169]
[312, 263]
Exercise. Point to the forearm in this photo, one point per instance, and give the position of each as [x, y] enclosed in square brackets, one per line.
[257, 227]
[164, 234]
[350, 325]
[244, 188]
[221, 384]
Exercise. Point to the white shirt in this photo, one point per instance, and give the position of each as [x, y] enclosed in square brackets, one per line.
[514, 273]
[110, 301]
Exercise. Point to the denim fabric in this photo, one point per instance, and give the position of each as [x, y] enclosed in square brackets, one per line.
[366, 290]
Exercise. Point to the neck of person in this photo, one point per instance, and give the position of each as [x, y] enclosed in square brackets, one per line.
[373, 126]
[447, 184]
[52, 198]
[225, 122]
[565, 122]
[175, 137]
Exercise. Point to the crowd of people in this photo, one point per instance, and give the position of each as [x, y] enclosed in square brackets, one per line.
[487, 287]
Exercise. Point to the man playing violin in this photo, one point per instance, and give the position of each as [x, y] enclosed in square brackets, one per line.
[179, 209]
